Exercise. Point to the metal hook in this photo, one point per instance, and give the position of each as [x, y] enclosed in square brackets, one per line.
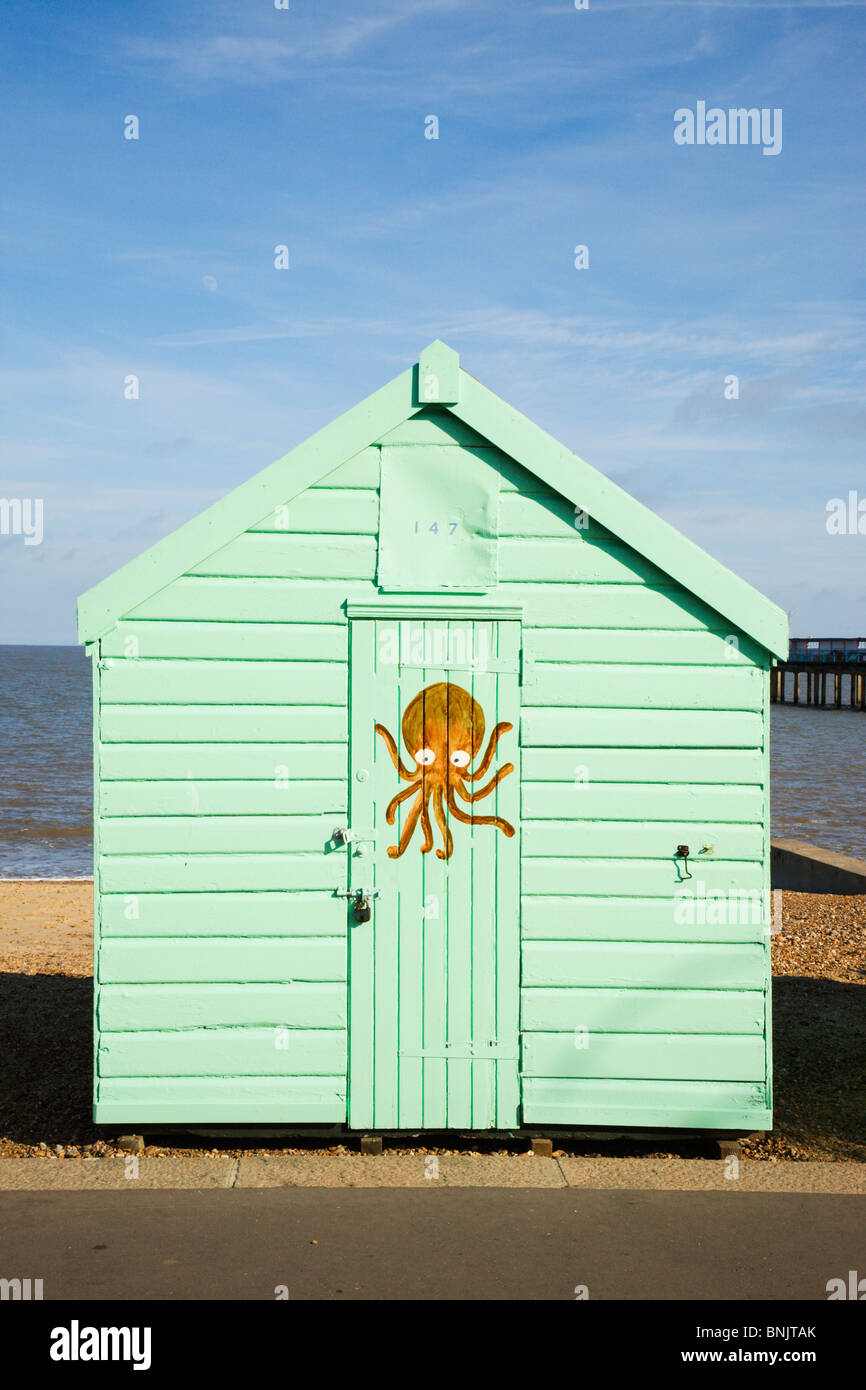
[683, 853]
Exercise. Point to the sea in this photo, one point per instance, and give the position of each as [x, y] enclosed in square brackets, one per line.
[817, 764]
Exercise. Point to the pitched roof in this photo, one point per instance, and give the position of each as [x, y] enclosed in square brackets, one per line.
[436, 379]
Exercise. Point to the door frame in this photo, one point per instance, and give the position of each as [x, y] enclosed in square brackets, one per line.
[425, 609]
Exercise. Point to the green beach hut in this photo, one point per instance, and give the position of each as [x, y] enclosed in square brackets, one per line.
[431, 791]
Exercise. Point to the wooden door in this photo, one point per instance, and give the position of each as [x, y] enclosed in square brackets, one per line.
[434, 974]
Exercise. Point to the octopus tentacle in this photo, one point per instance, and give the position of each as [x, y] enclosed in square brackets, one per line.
[395, 756]
[488, 756]
[401, 796]
[425, 819]
[484, 791]
[503, 825]
[394, 851]
[441, 821]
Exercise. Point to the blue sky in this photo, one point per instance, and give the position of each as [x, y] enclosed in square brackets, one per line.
[305, 127]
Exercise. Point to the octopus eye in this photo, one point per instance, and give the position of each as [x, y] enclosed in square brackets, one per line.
[425, 756]
[460, 759]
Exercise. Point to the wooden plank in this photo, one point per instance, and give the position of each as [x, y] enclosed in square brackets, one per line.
[224, 682]
[644, 687]
[643, 965]
[543, 514]
[180, 960]
[223, 914]
[661, 646]
[642, 1011]
[199, 599]
[223, 1099]
[287, 556]
[634, 877]
[439, 375]
[224, 1051]
[558, 727]
[610, 918]
[228, 641]
[595, 766]
[622, 607]
[223, 723]
[362, 471]
[689, 1104]
[574, 560]
[327, 511]
[649, 1056]
[619, 801]
[433, 425]
[206, 834]
[191, 797]
[582, 839]
[129, 1008]
[290, 763]
[206, 873]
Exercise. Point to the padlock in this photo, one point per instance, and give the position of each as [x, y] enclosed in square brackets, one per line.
[362, 909]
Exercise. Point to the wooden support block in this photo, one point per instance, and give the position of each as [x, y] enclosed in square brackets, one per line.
[131, 1143]
[371, 1143]
[729, 1148]
[542, 1148]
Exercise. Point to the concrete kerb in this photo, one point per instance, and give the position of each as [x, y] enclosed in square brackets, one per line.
[428, 1171]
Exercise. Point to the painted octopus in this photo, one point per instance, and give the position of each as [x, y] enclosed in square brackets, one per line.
[443, 730]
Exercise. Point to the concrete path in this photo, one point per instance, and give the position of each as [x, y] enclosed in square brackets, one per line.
[449, 1244]
[426, 1171]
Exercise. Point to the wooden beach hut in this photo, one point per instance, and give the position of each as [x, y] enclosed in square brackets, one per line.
[431, 790]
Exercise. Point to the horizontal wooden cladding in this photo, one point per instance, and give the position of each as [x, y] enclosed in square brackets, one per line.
[618, 801]
[248, 600]
[187, 960]
[214, 873]
[581, 839]
[227, 641]
[644, 687]
[223, 1099]
[618, 728]
[645, 1056]
[327, 510]
[544, 514]
[189, 797]
[601, 645]
[300, 763]
[129, 1008]
[434, 425]
[209, 834]
[223, 1052]
[643, 965]
[584, 767]
[223, 723]
[224, 682]
[686, 1104]
[578, 918]
[642, 878]
[223, 914]
[360, 471]
[286, 556]
[574, 560]
[641, 1011]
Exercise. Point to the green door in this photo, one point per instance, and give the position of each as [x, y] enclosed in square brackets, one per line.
[435, 825]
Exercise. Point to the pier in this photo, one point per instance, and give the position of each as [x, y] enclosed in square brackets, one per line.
[828, 684]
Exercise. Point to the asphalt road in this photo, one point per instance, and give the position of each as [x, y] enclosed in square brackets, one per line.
[415, 1244]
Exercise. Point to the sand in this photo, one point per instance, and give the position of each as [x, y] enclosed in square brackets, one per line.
[46, 1011]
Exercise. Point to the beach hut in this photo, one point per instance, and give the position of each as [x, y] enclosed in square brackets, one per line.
[432, 791]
